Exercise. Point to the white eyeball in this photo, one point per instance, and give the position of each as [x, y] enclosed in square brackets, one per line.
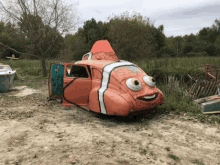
[150, 81]
[133, 84]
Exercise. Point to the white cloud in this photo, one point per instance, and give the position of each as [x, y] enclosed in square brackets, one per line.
[178, 17]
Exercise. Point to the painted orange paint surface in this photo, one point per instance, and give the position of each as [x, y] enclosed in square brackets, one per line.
[101, 46]
[113, 87]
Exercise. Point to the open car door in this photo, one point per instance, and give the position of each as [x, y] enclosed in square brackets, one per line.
[78, 85]
[55, 82]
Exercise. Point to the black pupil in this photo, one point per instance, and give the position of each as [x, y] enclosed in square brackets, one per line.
[153, 79]
[136, 82]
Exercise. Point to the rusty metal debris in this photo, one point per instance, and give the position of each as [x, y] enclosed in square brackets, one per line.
[210, 104]
[205, 83]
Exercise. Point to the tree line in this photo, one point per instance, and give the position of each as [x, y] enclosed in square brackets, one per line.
[205, 43]
[131, 36]
[135, 37]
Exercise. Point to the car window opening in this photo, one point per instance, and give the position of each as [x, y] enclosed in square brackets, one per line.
[77, 71]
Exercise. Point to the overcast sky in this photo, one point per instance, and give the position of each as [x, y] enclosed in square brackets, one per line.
[178, 17]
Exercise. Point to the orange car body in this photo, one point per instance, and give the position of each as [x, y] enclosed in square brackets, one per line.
[104, 84]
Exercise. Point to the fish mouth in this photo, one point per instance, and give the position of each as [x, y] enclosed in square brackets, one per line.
[148, 97]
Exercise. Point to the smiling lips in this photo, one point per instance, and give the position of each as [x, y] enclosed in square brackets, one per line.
[148, 98]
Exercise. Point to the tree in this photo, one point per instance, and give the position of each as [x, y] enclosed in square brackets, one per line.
[9, 35]
[187, 48]
[42, 21]
[210, 49]
[178, 42]
[30, 25]
[159, 40]
[190, 44]
[190, 38]
[217, 45]
[93, 31]
[216, 26]
[217, 41]
[208, 34]
[75, 46]
[131, 36]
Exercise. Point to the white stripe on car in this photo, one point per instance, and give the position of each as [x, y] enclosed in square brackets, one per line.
[106, 73]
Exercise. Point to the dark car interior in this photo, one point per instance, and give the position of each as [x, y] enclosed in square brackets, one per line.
[78, 71]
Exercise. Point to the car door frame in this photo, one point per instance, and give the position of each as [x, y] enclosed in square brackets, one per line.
[69, 81]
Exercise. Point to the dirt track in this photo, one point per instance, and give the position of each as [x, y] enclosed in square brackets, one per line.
[33, 131]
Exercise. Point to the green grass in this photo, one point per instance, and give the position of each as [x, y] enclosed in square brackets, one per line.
[197, 162]
[174, 157]
[171, 63]
[175, 100]
[29, 70]
[143, 151]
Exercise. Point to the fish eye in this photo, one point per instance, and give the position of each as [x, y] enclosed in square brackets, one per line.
[133, 84]
[136, 82]
[150, 81]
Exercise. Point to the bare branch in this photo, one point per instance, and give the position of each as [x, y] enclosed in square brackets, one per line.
[11, 15]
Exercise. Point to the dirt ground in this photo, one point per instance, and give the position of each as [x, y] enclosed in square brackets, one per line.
[35, 131]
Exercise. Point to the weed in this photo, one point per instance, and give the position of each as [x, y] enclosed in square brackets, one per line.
[143, 151]
[174, 157]
[168, 148]
[196, 161]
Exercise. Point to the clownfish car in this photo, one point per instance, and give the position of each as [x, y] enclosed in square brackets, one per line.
[104, 84]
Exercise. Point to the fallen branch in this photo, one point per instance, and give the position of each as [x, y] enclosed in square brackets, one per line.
[18, 51]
